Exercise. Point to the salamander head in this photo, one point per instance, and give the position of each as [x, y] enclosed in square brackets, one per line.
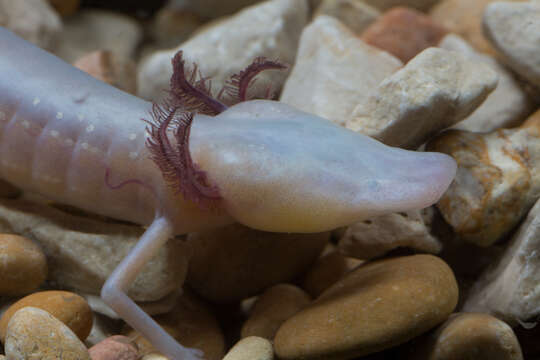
[280, 169]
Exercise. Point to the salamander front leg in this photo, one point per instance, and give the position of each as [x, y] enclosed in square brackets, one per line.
[115, 289]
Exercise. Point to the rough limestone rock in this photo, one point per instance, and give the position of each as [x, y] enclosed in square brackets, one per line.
[514, 30]
[271, 29]
[387, 4]
[35, 334]
[509, 288]
[334, 71]
[251, 348]
[33, 20]
[377, 306]
[497, 180]
[375, 237]
[91, 30]
[507, 106]
[82, 252]
[404, 33]
[468, 336]
[435, 90]
[356, 15]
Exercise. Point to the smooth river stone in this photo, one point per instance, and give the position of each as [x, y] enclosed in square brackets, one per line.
[375, 307]
[251, 348]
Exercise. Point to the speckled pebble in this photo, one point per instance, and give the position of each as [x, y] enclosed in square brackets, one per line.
[116, 347]
[67, 307]
[33, 333]
[375, 307]
[251, 348]
[23, 267]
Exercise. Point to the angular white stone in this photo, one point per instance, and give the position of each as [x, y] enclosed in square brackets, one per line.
[334, 71]
[271, 29]
[435, 90]
[507, 106]
[514, 29]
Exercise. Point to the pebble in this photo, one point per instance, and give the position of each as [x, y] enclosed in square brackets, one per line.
[334, 71]
[326, 271]
[190, 323]
[404, 33]
[90, 30]
[111, 68]
[33, 20]
[375, 307]
[388, 4]
[469, 336]
[35, 334]
[375, 237]
[249, 261]
[251, 348]
[356, 15]
[270, 29]
[273, 308]
[172, 26]
[514, 30]
[509, 287]
[116, 347]
[434, 91]
[67, 307]
[65, 7]
[23, 267]
[83, 251]
[213, 8]
[496, 183]
[507, 106]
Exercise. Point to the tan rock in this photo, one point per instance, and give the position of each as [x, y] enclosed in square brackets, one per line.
[111, 68]
[116, 347]
[377, 306]
[404, 33]
[326, 271]
[83, 251]
[246, 261]
[334, 71]
[355, 14]
[435, 90]
[154, 356]
[65, 7]
[507, 106]
[509, 288]
[375, 237]
[91, 30]
[33, 20]
[464, 17]
[35, 334]
[273, 308]
[417, 4]
[251, 348]
[496, 182]
[23, 267]
[190, 323]
[469, 336]
[514, 30]
[271, 29]
[67, 307]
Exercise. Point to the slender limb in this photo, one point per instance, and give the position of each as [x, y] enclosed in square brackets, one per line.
[115, 289]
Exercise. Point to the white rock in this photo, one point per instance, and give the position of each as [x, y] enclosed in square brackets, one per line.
[33, 20]
[514, 29]
[335, 71]
[82, 252]
[435, 90]
[375, 237]
[90, 30]
[356, 15]
[271, 29]
[509, 289]
[507, 106]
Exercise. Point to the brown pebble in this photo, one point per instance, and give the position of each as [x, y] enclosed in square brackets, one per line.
[24, 265]
[116, 347]
[404, 33]
[377, 306]
[468, 336]
[272, 309]
[69, 308]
